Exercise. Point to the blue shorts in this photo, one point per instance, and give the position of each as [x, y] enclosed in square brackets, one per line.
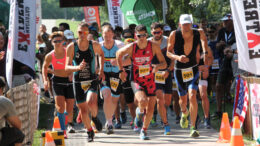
[187, 78]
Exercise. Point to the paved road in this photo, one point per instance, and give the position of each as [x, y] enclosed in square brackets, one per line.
[127, 136]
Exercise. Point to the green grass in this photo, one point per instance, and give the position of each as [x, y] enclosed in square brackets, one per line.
[46, 111]
[73, 25]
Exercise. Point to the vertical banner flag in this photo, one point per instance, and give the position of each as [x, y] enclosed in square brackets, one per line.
[22, 32]
[246, 16]
[115, 14]
[38, 14]
[92, 15]
[255, 108]
[241, 100]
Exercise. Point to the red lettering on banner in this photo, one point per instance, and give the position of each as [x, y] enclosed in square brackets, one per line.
[253, 40]
[24, 38]
[9, 44]
[115, 3]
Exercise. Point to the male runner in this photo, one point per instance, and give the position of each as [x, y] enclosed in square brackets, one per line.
[183, 47]
[142, 75]
[163, 78]
[82, 55]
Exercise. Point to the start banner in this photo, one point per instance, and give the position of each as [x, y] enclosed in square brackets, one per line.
[246, 16]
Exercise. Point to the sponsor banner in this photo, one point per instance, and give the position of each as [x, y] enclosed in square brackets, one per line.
[92, 15]
[246, 16]
[115, 14]
[22, 32]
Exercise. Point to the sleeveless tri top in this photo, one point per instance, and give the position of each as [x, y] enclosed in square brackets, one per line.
[58, 64]
[88, 73]
[141, 64]
[179, 49]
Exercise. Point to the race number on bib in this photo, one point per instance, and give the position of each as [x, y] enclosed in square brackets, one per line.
[85, 85]
[187, 74]
[215, 64]
[174, 85]
[114, 82]
[159, 78]
[144, 70]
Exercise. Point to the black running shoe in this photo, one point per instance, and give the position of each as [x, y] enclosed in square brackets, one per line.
[123, 117]
[91, 135]
[97, 123]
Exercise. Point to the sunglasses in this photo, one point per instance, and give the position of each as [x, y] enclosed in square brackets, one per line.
[83, 32]
[157, 32]
[57, 41]
[141, 35]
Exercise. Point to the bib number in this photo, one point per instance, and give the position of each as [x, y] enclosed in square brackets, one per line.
[174, 85]
[144, 70]
[85, 85]
[215, 64]
[159, 78]
[114, 82]
[187, 75]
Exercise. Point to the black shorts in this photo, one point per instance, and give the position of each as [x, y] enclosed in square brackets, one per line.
[113, 82]
[191, 82]
[61, 86]
[167, 87]
[137, 87]
[10, 136]
[81, 88]
[127, 89]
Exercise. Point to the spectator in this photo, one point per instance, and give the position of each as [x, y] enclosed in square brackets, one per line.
[226, 38]
[166, 30]
[2, 55]
[118, 33]
[127, 34]
[69, 35]
[9, 136]
[54, 29]
[64, 26]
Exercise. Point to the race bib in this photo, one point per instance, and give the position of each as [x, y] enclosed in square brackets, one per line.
[215, 64]
[114, 82]
[159, 78]
[187, 74]
[174, 85]
[85, 85]
[144, 70]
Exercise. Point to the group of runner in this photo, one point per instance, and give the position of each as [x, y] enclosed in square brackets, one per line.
[145, 72]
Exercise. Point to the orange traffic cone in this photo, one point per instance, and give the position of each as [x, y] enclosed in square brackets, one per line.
[236, 137]
[56, 124]
[225, 132]
[49, 140]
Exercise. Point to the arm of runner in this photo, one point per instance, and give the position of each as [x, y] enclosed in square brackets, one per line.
[157, 51]
[98, 50]
[46, 64]
[170, 47]
[70, 53]
[204, 44]
[128, 49]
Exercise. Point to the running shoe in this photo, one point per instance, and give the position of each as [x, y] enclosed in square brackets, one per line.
[207, 123]
[132, 124]
[123, 117]
[118, 124]
[70, 128]
[167, 130]
[109, 129]
[65, 134]
[178, 118]
[184, 123]
[98, 124]
[153, 123]
[194, 132]
[91, 135]
[139, 118]
[94, 127]
[143, 135]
